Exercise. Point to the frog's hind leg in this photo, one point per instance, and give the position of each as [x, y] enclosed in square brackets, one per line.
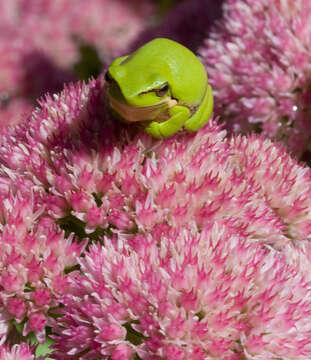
[204, 112]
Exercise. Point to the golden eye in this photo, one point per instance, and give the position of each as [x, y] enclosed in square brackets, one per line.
[161, 91]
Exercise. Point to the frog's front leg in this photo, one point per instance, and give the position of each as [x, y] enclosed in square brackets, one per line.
[204, 112]
[179, 115]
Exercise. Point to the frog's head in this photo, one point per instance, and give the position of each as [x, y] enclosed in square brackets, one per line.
[138, 89]
[157, 76]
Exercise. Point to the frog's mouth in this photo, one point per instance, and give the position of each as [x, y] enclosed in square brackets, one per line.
[137, 113]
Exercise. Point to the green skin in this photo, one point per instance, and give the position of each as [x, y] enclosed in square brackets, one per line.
[163, 86]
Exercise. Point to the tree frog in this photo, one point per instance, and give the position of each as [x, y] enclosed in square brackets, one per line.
[163, 86]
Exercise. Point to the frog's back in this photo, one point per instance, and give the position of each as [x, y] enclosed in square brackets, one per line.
[186, 74]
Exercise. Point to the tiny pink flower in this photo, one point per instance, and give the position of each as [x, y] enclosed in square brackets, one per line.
[188, 300]
[121, 352]
[41, 297]
[96, 216]
[111, 332]
[37, 321]
[17, 307]
[51, 264]
[255, 343]
[11, 282]
[119, 219]
[81, 201]
[177, 327]
[174, 353]
[35, 270]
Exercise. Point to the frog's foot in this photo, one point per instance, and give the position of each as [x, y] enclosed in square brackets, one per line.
[204, 112]
[179, 115]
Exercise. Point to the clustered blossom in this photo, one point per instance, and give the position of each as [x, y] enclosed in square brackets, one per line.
[41, 42]
[109, 26]
[196, 246]
[34, 255]
[258, 60]
[187, 23]
[25, 74]
[17, 352]
[179, 294]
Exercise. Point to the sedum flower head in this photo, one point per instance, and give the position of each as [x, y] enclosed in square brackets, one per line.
[45, 43]
[258, 61]
[34, 256]
[177, 294]
[196, 246]
[109, 26]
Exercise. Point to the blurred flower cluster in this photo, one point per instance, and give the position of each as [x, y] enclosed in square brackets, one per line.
[17, 352]
[125, 247]
[258, 60]
[46, 43]
[188, 23]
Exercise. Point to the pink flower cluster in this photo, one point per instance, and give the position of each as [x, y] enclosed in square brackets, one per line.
[40, 41]
[258, 61]
[180, 294]
[196, 246]
[187, 23]
[17, 352]
[34, 255]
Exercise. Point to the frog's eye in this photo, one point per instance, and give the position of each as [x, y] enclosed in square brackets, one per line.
[161, 91]
[108, 77]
